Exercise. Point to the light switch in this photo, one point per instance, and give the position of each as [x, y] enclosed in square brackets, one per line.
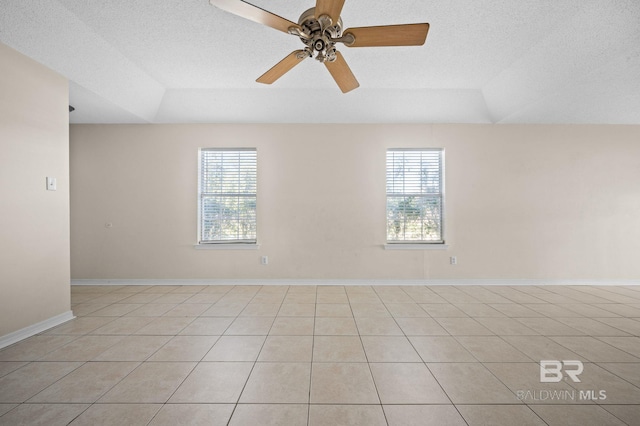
[51, 183]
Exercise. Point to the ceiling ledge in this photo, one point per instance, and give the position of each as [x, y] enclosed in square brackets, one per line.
[326, 105]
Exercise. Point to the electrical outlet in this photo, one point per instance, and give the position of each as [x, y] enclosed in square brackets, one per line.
[264, 260]
[453, 260]
[51, 183]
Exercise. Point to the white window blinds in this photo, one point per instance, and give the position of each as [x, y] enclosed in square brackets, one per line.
[414, 195]
[228, 195]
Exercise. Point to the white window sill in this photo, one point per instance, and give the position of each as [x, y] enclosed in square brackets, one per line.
[240, 246]
[418, 246]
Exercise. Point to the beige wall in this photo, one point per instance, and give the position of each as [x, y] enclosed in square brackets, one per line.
[34, 234]
[522, 202]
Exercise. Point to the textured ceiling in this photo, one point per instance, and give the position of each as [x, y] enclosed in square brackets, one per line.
[485, 61]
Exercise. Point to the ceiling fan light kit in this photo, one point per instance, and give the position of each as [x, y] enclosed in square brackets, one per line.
[319, 29]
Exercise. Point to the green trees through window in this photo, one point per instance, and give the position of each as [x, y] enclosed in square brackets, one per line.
[228, 195]
[414, 195]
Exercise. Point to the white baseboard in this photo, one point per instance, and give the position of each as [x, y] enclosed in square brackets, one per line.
[34, 329]
[352, 282]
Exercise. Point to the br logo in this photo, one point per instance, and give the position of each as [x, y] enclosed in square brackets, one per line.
[551, 370]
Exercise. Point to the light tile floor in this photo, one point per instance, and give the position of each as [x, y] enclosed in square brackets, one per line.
[329, 355]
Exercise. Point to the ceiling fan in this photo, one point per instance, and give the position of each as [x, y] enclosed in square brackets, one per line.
[320, 28]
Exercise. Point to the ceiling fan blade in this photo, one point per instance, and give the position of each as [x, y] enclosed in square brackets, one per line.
[282, 67]
[342, 74]
[254, 13]
[389, 35]
[332, 8]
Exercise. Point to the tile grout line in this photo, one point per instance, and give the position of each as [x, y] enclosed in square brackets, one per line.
[366, 357]
[424, 362]
[313, 343]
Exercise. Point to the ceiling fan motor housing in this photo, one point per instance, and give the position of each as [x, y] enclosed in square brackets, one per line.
[319, 35]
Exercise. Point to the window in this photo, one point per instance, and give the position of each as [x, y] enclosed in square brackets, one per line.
[227, 196]
[414, 195]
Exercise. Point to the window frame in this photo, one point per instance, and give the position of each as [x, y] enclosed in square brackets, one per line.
[418, 244]
[223, 244]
